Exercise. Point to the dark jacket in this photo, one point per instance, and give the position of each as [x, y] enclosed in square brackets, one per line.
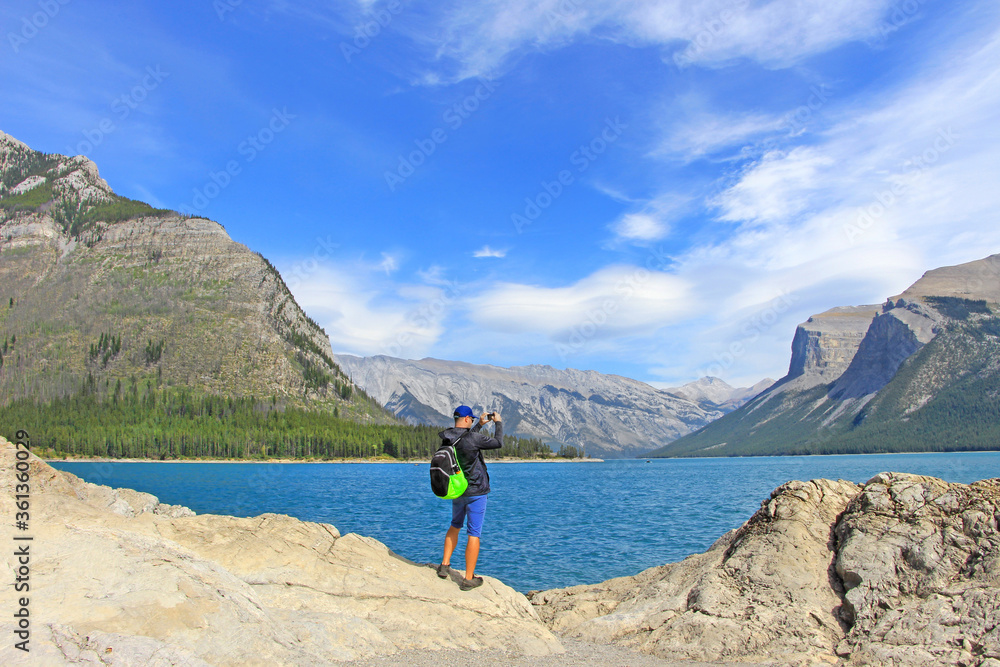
[470, 457]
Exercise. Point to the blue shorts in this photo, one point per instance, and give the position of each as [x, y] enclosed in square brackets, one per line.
[472, 506]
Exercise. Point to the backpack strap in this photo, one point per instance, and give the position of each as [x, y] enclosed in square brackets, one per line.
[454, 446]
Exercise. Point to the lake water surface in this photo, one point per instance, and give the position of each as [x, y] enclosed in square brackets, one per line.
[547, 524]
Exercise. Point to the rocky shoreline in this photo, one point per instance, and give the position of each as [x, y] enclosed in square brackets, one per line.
[903, 570]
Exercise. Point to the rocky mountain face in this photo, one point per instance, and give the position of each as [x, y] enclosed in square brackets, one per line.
[607, 415]
[96, 289]
[825, 344]
[920, 373]
[903, 570]
[123, 579]
[893, 336]
[23, 170]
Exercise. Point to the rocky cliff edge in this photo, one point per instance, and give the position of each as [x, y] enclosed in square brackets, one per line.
[118, 578]
[902, 571]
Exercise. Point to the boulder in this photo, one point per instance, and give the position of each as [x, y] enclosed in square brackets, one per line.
[920, 559]
[118, 578]
[902, 571]
[762, 592]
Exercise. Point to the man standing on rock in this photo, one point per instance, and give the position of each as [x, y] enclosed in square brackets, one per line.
[471, 505]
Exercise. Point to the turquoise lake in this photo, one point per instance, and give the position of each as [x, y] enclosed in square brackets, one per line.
[547, 524]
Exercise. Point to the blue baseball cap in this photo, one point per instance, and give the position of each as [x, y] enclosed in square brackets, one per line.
[464, 411]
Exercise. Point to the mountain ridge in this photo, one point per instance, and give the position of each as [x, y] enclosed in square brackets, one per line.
[607, 415]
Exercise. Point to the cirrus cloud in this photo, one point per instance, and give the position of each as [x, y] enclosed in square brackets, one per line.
[634, 298]
[487, 251]
[480, 37]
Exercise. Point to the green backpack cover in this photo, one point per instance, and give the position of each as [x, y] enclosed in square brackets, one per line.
[447, 479]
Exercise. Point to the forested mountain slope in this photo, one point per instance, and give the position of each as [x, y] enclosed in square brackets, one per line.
[98, 289]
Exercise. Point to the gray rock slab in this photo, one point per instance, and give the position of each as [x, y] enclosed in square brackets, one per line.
[118, 578]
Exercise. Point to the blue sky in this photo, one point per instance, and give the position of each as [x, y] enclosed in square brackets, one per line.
[661, 190]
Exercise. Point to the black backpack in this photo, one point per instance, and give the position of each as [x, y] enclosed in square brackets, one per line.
[447, 479]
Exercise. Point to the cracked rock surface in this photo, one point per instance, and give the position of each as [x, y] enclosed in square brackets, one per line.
[921, 560]
[761, 592]
[902, 571]
[118, 578]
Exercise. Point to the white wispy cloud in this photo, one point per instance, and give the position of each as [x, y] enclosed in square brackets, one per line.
[705, 132]
[487, 251]
[641, 227]
[779, 185]
[481, 37]
[649, 221]
[624, 299]
[365, 316]
[775, 33]
[434, 275]
[389, 263]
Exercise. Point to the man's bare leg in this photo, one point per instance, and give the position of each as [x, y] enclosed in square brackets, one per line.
[471, 556]
[450, 542]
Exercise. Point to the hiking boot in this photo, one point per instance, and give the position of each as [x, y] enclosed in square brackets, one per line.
[469, 584]
[443, 570]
